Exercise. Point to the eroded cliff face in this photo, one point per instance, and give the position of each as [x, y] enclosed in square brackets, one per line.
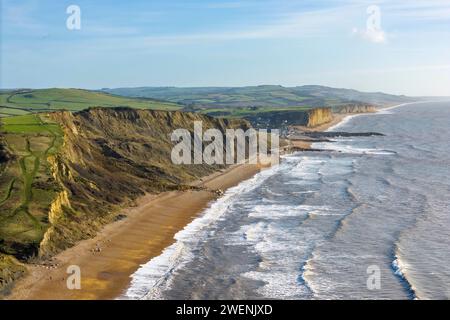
[109, 158]
[318, 116]
[60, 184]
[355, 108]
[10, 270]
[91, 165]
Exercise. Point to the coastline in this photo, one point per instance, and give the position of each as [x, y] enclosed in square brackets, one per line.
[107, 261]
[305, 145]
[120, 248]
[338, 120]
[347, 117]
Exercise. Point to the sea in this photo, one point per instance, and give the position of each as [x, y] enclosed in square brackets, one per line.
[368, 218]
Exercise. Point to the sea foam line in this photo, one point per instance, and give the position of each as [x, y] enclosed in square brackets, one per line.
[149, 281]
[400, 270]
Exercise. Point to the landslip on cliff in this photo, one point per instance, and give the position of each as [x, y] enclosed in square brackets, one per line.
[64, 175]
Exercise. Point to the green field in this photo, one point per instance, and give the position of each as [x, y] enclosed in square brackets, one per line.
[26, 185]
[260, 96]
[248, 111]
[20, 102]
[211, 97]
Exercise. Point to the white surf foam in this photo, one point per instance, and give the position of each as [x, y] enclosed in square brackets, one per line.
[342, 148]
[400, 269]
[279, 266]
[152, 278]
[343, 122]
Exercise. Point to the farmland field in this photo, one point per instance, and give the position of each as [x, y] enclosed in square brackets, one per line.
[20, 102]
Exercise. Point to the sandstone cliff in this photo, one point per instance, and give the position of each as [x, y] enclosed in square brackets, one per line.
[102, 161]
[318, 116]
[109, 158]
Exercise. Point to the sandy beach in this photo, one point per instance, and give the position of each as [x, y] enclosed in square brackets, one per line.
[107, 261]
[119, 249]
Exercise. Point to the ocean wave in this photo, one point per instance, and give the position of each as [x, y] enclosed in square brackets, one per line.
[270, 192]
[342, 148]
[302, 192]
[277, 211]
[308, 272]
[400, 270]
[278, 268]
[152, 278]
[400, 265]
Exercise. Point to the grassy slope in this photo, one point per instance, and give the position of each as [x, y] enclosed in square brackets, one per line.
[26, 190]
[266, 106]
[26, 186]
[248, 111]
[260, 96]
[10, 270]
[25, 101]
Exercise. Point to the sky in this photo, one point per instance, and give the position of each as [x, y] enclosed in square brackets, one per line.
[393, 46]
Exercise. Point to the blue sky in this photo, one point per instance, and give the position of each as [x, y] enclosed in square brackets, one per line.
[228, 43]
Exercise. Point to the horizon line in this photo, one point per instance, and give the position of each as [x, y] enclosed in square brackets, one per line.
[222, 87]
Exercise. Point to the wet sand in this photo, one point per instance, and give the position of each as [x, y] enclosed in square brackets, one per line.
[108, 260]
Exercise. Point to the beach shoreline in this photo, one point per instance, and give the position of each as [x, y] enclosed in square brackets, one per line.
[108, 260]
[337, 121]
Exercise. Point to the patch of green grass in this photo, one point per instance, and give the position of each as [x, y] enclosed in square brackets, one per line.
[30, 123]
[8, 112]
[225, 97]
[8, 191]
[249, 111]
[26, 188]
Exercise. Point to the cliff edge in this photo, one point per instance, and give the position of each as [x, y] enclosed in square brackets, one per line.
[71, 173]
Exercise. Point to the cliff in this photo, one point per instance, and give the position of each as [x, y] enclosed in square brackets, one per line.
[109, 158]
[86, 166]
[318, 116]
